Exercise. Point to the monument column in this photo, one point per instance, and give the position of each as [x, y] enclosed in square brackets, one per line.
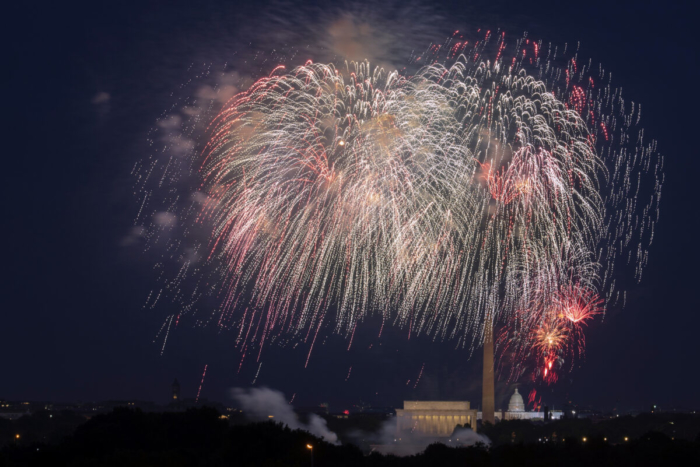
[488, 404]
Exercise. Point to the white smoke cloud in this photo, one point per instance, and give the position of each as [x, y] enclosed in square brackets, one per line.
[191, 111]
[165, 219]
[221, 94]
[199, 198]
[260, 403]
[384, 33]
[467, 437]
[135, 236]
[386, 440]
[178, 145]
[190, 255]
[171, 122]
[101, 98]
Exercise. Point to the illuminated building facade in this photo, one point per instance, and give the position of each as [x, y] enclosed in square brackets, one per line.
[516, 411]
[433, 418]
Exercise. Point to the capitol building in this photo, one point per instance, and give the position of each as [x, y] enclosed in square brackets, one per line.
[516, 411]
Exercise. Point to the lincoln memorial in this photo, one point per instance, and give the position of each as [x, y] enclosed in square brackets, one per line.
[433, 418]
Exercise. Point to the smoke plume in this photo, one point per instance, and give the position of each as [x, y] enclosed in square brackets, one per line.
[260, 403]
[387, 441]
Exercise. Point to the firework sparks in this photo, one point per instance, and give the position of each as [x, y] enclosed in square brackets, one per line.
[201, 383]
[485, 184]
[577, 305]
[419, 376]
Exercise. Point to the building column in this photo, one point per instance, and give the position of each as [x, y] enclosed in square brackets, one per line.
[488, 404]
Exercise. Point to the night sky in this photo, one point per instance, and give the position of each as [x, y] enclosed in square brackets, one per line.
[73, 325]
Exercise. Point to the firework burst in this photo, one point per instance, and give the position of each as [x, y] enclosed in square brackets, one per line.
[486, 187]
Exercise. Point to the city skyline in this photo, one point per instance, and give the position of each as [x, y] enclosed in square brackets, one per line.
[73, 311]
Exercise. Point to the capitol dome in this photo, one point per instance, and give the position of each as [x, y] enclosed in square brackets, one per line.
[516, 403]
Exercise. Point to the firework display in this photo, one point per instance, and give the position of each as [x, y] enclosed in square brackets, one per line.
[495, 184]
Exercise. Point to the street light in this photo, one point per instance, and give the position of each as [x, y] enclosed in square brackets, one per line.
[311, 450]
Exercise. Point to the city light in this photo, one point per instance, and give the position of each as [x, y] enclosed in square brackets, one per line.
[311, 452]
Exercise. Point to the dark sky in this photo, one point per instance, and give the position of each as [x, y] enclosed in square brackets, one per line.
[72, 326]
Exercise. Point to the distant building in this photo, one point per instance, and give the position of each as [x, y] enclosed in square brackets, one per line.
[516, 411]
[516, 403]
[433, 418]
[14, 410]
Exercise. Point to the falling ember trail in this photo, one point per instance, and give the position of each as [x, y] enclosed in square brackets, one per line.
[167, 333]
[257, 373]
[204, 373]
[419, 375]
